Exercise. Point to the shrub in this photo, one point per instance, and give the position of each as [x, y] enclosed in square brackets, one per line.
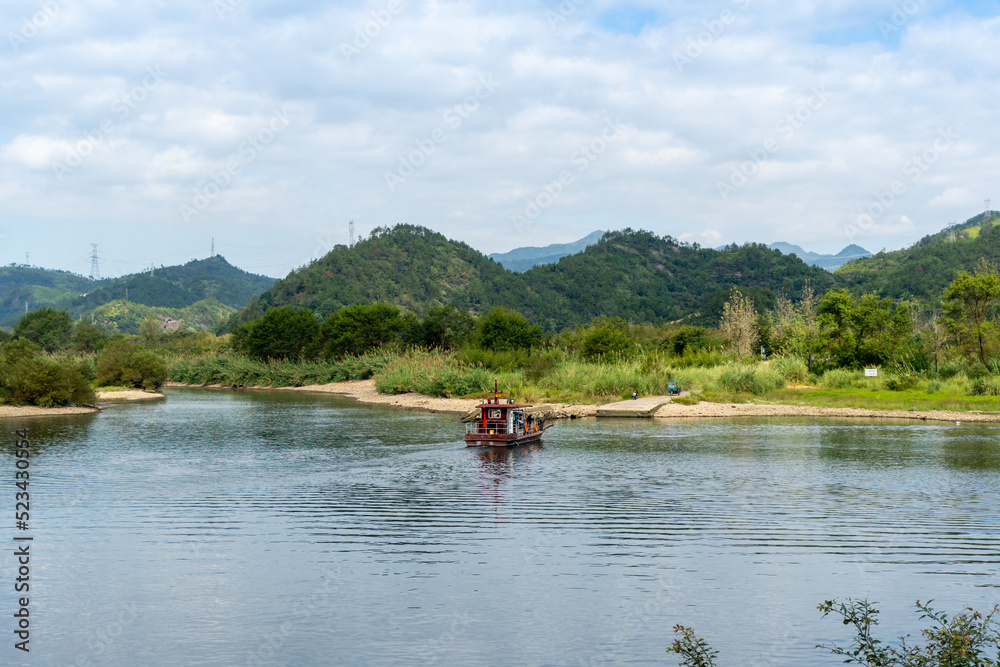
[282, 333]
[122, 363]
[964, 640]
[933, 387]
[750, 380]
[359, 329]
[792, 368]
[841, 378]
[48, 328]
[29, 378]
[504, 329]
[604, 340]
[540, 365]
[988, 385]
[901, 382]
[496, 360]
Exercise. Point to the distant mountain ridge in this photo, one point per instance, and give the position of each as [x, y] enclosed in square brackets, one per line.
[522, 259]
[828, 262]
[221, 286]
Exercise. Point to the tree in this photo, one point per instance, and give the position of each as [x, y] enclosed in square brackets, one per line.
[739, 324]
[504, 329]
[608, 337]
[445, 327]
[359, 329]
[864, 331]
[150, 330]
[123, 363]
[282, 333]
[971, 299]
[48, 328]
[88, 337]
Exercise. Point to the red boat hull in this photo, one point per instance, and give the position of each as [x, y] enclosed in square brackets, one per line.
[502, 439]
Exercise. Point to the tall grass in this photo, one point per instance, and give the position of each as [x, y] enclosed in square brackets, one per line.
[235, 370]
[759, 379]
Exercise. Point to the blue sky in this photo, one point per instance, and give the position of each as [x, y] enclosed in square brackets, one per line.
[151, 128]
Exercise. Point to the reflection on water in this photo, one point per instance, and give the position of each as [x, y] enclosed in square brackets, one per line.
[198, 527]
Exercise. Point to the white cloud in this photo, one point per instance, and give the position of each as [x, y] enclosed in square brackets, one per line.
[688, 130]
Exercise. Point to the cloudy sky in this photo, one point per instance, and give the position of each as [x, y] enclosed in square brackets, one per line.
[149, 128]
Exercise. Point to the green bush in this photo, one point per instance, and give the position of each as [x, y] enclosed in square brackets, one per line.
[504, 329]
[27, 377]
[988, 385]
[901, 382]
[842, 378]
[793, 369]
[967, 639]
[605, 340]
[750, 380]
[122, 363]
[933, 387]
[496, 360]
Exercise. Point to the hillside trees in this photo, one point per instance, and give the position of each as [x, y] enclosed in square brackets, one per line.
[970, 300]
[48, 328]
[282, 333]
[358, 329]
[865, 331]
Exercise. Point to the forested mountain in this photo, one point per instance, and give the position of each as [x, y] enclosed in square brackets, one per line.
[634, 275]
[178, 286]
[925, 269]
[221, 286]
[20, 285]
[641, 277]
[522, 259]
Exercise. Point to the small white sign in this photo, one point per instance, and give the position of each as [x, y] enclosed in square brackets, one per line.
[871, 372]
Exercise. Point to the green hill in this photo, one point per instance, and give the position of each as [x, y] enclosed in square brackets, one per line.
[178, 286]
[217, 287]
[630, 274]
[926, 268]
[38, 288]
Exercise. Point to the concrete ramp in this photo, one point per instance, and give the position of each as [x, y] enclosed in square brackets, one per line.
[640, 407]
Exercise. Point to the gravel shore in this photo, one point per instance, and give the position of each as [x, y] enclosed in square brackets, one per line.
[364, 391]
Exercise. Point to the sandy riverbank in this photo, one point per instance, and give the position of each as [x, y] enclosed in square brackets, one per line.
[21, 411]
[364, 391]
[705, 409]
[127, 395]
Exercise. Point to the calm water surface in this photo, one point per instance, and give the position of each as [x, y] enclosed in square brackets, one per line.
[219, 528]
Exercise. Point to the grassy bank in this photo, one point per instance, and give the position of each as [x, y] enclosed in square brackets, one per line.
[561, 377]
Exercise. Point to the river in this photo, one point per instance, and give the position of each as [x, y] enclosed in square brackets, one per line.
[256, 528]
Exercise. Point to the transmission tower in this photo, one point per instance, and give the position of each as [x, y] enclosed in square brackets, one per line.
[213, 247]
[95, 270]
[350, 229]
[988, 202]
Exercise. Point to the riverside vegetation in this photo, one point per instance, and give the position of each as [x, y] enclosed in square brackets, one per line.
[938, 360]
[965, 640]
[947, 357]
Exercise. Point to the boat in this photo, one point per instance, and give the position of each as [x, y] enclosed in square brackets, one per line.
[500, 422]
